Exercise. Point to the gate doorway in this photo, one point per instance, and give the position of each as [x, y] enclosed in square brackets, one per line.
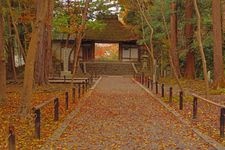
[107, 51]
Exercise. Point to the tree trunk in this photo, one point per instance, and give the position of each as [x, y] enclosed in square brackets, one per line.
[79, 37]
[40, 56]
[21, 48]
[48, 61]
[190, 65]
[11, 50]
[199, 38]
[31, 55]
[151, 47]
[169, 49]
[189, 71]
[217, 45]
[2, 59]
[173, 37]
[44, 53]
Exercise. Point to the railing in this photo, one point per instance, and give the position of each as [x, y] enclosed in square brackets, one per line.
[222, 110]
[146, 81]
[81, 87]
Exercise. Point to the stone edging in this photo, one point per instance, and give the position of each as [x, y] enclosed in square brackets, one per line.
[49, 144]
[206, 138]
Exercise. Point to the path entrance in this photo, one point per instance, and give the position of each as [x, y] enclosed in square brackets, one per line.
[120, 115]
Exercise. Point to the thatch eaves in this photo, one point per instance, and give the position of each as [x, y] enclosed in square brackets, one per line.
[113, 31]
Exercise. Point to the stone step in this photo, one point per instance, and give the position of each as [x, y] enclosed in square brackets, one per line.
[107, 68]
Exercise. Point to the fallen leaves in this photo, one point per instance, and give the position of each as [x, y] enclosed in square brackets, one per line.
[24, 129]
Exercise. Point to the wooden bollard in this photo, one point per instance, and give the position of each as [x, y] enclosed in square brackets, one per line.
[162, 90]
[86, 85]
[56, 109]
[73, 94]
[170, 94]
[12, 138]
[89, 82]
[156, 87]
[195, 107]
[78, 90]
[148, 83]
[142, 78]
[222, 122]
[91, 78]
[83, 86]
[64, 79]
[152, 85]
[37, 122]
[181, 100]
[67, 100]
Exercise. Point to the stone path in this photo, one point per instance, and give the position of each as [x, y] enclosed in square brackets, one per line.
[121, 115]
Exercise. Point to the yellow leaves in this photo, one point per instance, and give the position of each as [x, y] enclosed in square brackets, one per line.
[24, 128]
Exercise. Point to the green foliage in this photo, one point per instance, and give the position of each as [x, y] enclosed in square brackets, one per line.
[96, 25]
[68, 18]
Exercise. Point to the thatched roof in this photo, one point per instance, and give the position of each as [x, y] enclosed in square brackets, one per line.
[113, 31]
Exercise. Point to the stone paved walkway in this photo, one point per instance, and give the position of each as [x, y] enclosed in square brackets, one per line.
[121, 115]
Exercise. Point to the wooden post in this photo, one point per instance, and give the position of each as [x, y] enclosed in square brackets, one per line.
[91, 78]
[67, 100]
[170, 94]
[151, 84]
[86, 85]
[83, 83]
[73, 94]
[142, 78]
[181, 100]
[148, 83]
[78, 90]
[56, 109]
[195, 107]
[64, 78]
[37, 126]
[12, 138]
[162, 90]
[222, 121]
[156, 87]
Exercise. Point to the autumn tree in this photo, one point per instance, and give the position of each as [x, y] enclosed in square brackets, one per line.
[44, 53]
[189, 70]
[217, 45]
[42, 10]
[2, 58]
[201, 49]
[173, 37]
[80, 34]
[170, 51]
[143, 7]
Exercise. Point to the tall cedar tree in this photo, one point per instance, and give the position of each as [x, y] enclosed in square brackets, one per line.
[2, 59]
[42, 7]
[217, 45]
[173, 37]
[189, 71]
[44, 53]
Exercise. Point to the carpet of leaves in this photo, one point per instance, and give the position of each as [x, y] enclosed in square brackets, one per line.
[120, 115]
[208, 115]
[24, 128]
